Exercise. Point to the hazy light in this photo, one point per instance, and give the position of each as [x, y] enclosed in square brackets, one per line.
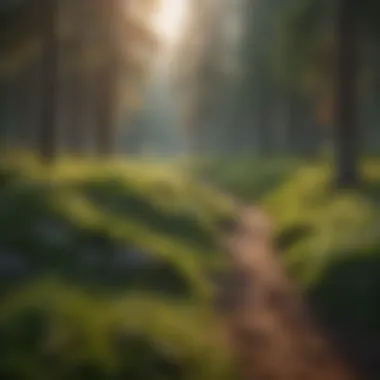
[169, 19]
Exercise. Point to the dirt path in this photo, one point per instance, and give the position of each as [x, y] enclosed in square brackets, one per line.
[267, 322]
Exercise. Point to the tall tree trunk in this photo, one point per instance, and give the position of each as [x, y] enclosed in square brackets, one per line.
[48, 128]
[346, 131]
[22, 103]
[282, 121]
[108, 95]
[295, 126]
[6, 112]
[77, 93]
[33, 90]
[76, 127]
[305, 133]
[264, 130]
[107, 113]
[26, 92]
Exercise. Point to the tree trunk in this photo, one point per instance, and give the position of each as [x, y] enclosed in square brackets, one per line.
[34, 90]
[296, 126]
[48, 128]
[26, 91]
[76, 125]
[264, 127]
[346, 131]
[78, 87]
[107, 103]
[282, 121]
[108, 95]
[6, 112]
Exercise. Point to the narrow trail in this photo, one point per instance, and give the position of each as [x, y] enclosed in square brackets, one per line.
[267, 322]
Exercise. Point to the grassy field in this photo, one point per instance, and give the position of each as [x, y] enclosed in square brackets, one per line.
[104, 266]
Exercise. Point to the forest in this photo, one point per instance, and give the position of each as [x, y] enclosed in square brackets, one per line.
[129, 132]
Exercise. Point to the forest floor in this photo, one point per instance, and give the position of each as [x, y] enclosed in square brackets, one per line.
[106, 267]
[328, 243]
[272, 327]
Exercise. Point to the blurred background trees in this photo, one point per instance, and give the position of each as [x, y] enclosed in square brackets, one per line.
[263, 77]
[75, 61]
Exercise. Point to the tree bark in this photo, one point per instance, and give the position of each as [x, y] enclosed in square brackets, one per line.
[107, 112]
[108, 95]
[48, 128]
[78, 91]
[346, 130]
[76, 127]
[6, 113]
[264, 127]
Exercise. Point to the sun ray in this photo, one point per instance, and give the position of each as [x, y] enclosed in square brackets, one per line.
[169, 19]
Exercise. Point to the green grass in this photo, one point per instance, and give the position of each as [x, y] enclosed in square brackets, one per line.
[157, 210]
[337, 256]
[247, 178]
[54, 330]
[69, 319]
[333, 224]
[314, 222]
[329, 241]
